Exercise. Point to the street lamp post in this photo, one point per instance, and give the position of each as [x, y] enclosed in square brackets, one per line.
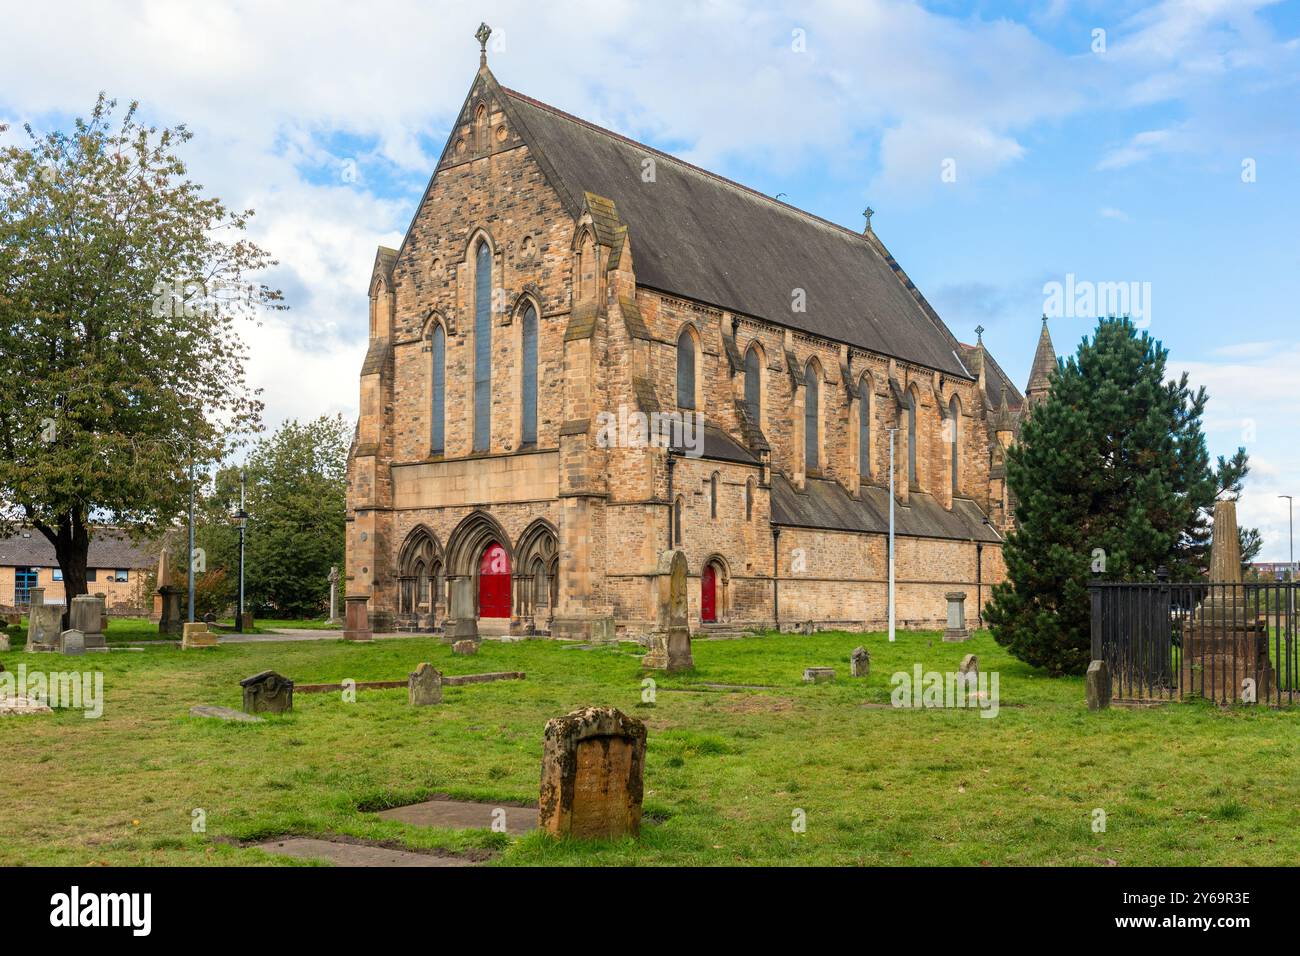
[241, 517]
[1290, 571]
[892, 431]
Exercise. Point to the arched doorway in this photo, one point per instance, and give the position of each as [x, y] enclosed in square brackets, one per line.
[494, 582]
[709, 594]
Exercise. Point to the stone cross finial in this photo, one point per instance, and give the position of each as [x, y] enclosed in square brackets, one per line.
[481, 34]
[868, 213]
[979, 335]
[1044, 320]
[334, 575]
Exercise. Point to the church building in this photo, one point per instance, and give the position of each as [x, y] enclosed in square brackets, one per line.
[562, 293]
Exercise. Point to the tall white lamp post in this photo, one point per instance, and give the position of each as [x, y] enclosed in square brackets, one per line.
[891, 532]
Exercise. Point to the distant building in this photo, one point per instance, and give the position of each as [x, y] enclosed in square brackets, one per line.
[116, 567]
[1277, 570]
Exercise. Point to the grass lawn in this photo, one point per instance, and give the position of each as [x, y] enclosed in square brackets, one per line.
[134, 630]
[1182, 784]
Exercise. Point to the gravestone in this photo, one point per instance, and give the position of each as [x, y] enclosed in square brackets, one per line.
[462, 612]
[72, 642]
[246, 621]
[818, 675]
[425, 686]
[970, 664]
[171, 618]
[356, 626]
[334, 593]
[4, 641]
[465, 648]
[1098, 685]
[224, 713]
[670, 639]
[592, 766]
[36, 597]
[860, 662]
[956, 630]
[44, 623]
[267, 693]
[195, 634]
[87, 616]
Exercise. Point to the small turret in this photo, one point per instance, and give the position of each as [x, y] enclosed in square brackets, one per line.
[1044, 362]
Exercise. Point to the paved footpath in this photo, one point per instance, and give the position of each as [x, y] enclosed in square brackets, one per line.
[300, 634]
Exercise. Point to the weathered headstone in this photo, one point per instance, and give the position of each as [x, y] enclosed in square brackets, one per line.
[592, 766]
[818, 675]
[970, 664]
[466, 648]
[462, 614]
[860, 662]
[171, 618]
[4, 641]
[267, 693]
[956, 630]
[1098, 685]
[670, 640]
[334, 593]
[36, 597]
[425, 686]
[195, 634]
[86, 614]
[72, 642]
[357, 625]
[19, 705]
[44, 622]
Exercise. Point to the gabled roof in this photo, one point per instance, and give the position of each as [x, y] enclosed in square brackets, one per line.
[109, 548]
[703, 237]
[997, 383]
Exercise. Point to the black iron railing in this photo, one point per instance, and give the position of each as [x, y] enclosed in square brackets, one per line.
[1222, 642]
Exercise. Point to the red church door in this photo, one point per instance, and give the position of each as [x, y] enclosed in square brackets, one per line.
[494, 583]
[708, 594]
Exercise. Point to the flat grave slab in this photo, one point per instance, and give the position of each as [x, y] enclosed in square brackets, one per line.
[355, 854]
[463, 815]
[224, 713]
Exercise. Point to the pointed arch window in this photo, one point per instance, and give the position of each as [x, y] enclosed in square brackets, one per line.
[953, 411]
[864, 428]
[811, 444]
[686, 369]
[482, 347]
[753, 385]
[677, 522]
[749, 499]
[911, 440]
[529, 335]
[713, 495]
[438, 389]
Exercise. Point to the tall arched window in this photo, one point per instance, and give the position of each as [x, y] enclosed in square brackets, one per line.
[864, 428]
[529, 398]
[749, 500]
[911, 439]
[438, 389]
[811, 443]
[953, 411]
[753, 385]
[677, 522]
[482, 347]
[686, 369]
[713, 495]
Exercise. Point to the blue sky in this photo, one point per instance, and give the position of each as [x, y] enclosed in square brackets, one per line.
[1114, 156]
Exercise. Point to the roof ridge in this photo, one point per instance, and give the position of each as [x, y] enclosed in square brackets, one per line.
[691, 166]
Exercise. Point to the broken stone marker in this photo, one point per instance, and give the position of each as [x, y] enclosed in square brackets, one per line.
[860, 662]
[224, 713]
[592, 765]
[1098, 685]
[72, 642]
[44, 621]
[670, 640]
[267, 693]
[818, 675]
[970, 664]
[425, 686]
[465, 647]
[196, 634]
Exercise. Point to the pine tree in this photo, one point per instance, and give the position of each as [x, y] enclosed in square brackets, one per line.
[1111, 474]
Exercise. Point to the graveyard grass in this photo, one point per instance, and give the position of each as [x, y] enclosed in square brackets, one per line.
[1184, 784]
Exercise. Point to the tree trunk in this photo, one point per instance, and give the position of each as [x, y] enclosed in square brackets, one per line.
[71, 541]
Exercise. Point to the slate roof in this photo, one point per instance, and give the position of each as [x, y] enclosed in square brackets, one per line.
[703, 237]
[996, 381]
[718, 445]
[827, 505]
[108, 549]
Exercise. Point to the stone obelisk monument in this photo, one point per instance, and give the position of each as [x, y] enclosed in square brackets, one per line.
[1225, 645]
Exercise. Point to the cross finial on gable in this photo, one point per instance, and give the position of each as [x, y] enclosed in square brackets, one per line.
[482, 34]
[979, 335]
[868, 213]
